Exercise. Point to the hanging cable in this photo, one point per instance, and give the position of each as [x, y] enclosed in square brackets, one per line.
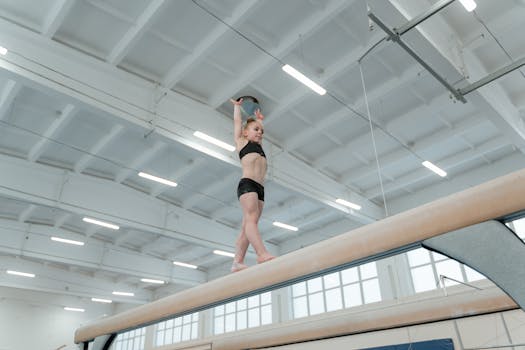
[373, 138]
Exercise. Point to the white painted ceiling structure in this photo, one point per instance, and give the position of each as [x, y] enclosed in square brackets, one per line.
[93, 92]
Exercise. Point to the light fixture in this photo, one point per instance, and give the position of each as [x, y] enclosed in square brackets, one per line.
[101, 223]
[223, 253]
[147, 280]
[469, 5]
[158, 179]
[348, 204]
[190, 266]
[214, 141]
[98, 300]
[285, 226]
[3, 50]
[434, 168]
[68, 241]
[67, 308]
[303, 79]
[125, 294]
[18, 273]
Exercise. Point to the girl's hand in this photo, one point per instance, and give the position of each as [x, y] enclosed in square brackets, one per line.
[259, 115]
[236, 103]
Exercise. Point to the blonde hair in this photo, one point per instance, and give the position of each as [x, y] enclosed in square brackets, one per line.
[249, 121]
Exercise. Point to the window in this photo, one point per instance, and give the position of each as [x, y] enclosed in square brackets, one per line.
[177, 330]
[426, 268]
[343, 289]
[132, 340]
[241, 314]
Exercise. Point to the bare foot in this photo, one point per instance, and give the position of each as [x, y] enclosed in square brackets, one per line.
[236, 267]
[265, 258]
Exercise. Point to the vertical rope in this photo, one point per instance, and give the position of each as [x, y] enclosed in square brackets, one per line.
[373, 138]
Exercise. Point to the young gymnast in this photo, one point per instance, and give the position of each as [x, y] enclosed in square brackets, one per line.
[250, 191]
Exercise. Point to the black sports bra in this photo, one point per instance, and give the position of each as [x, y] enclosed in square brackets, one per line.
[251, 147]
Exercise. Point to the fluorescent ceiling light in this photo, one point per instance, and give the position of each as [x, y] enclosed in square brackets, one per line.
[73, 309]
[101, 223]
[190, 266]
[18, 273]
[469, 5]
[158, 179]
[68, 241]
[223, 253]
[213, 140]
[126, 294]
[348, 204]
[303, 79]
[288, 227]
[147, 280]
[3, 50]
[434, 168]
[107, 301]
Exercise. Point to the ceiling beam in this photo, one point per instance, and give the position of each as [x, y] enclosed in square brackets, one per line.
[51, 132]
[84, 160]
[134, 34]
[285, 47]
[200, 52]
[9, 93]
[34, 241]
[99, 86]
[55, 17]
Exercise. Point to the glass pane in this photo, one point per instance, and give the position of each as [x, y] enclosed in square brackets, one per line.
[266, 298]
[315, 285]
[136, 344]
[350, 275]
[242, 321]
[368, 270]
[473, 275]
[253, 318]
[241, 304]
[219, 310]
[253, 301]
[450, 268]
[194, 330]
[169, 324]
[371, 291]
[352, 295]
[316, 303]
[219, 325]
[299, 307]
[187, 319]
[299, 289]
[423, 279]
[168, 336]
[519, 227]
[266, 314]
[177, 334]
[230, 307]
[332, 280]
[418, 257]
[334, 301]
[230, 323]
[186, 332]
[178, 320]
[160, 338]
[195, 317]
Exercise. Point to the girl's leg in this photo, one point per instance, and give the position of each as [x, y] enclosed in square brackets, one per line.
[252, 209]
[241, 246]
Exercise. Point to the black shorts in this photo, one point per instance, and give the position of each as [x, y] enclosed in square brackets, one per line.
[248, 185]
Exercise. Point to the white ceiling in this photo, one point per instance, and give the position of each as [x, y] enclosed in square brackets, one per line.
[92, 92]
